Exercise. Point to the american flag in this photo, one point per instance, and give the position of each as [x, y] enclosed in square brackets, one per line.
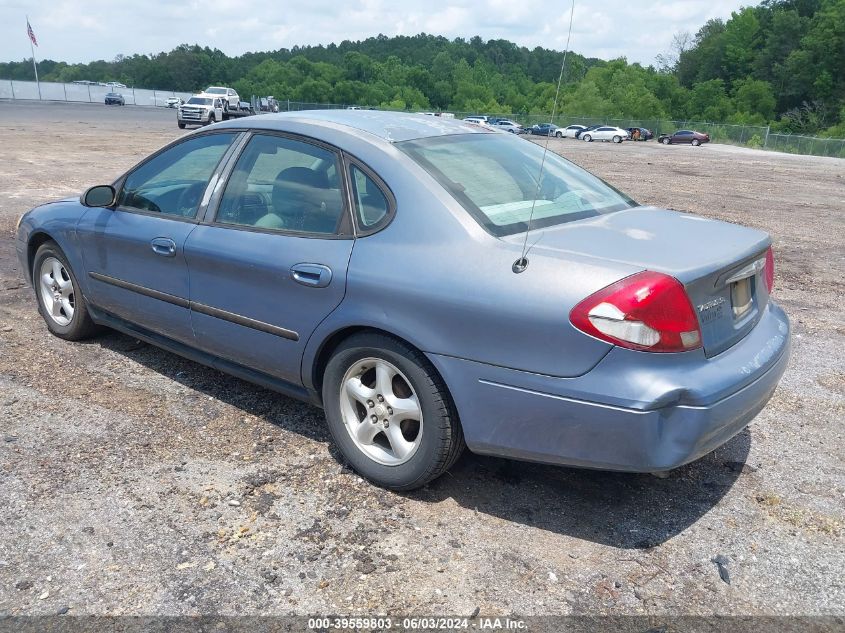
[30, 33]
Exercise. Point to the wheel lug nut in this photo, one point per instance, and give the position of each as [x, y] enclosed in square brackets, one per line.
[390, 411]
[386, 424]
[370, 404]
[374, 419]
[380, 398]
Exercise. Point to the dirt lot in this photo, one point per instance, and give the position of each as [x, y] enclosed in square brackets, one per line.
[135, 482]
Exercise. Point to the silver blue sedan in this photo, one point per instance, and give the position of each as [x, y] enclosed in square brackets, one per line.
[372, 263]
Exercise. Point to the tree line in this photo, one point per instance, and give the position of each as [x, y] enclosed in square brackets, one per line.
[781, 62]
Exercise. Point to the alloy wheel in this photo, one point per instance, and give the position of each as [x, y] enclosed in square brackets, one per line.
[57, 292]
[381, 411]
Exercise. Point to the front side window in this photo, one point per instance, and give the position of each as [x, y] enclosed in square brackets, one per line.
[172, 183]
[284, 184]
[494, 177]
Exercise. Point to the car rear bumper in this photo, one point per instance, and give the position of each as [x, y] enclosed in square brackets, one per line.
[634, 411]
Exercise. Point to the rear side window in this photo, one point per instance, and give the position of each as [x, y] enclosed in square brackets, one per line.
[371, 205]
[285, 185]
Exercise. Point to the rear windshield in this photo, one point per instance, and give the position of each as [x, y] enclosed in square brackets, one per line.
[494, 177]
[199, 101]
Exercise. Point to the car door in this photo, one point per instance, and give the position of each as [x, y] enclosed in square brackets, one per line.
[134, 252]
[269, 264]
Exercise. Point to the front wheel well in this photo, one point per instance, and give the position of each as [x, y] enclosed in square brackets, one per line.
[35, 242]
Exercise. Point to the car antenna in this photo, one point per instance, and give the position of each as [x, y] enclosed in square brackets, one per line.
[522, 263]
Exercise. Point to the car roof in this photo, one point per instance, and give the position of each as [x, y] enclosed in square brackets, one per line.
[389, 126]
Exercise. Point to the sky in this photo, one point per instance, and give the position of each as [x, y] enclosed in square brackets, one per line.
[85, 30]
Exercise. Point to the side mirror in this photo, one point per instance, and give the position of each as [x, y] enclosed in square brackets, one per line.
[99, 196]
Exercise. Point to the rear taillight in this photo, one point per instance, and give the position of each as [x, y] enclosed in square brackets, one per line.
[648, 311]
[769, 270]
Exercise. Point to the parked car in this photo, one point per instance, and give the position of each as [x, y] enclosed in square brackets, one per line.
[605, 133]
[639, 133]
[507, 125]
[231, 100]
[476, 120]
[280, 249]
[569, 131]
[200, 110]
[115, 84]
[544, 129]
[174, 102]
[114, 98]
[684, 136]
[589, 128]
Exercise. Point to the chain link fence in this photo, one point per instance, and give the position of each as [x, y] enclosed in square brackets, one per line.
[82, 93]
[755, 136]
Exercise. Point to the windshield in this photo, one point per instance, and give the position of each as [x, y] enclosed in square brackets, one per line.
[216, 91]
[494, 177]
[199, 101]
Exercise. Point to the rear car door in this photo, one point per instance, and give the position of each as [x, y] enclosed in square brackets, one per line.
[134, 252]
[269, 264]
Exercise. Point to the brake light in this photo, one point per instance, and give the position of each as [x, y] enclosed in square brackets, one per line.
[769, 271]
[648, 311]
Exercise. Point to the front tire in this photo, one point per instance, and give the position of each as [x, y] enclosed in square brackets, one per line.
[389, 412]
[559, 134]
[617, 139]
[667, 141]
[588, 138]
[696, 142]
[60, 300]
[181, 126]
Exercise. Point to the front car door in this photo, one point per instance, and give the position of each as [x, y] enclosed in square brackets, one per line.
[134, 252]
[270, 262]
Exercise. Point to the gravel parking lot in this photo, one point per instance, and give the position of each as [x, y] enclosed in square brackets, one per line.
[135, 482]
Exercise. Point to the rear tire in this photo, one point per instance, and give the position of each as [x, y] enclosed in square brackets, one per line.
[60, 300]
[359, 384]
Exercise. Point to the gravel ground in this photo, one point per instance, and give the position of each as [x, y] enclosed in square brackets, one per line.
[135, 482]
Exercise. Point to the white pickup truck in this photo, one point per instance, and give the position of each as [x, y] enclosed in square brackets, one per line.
[231, 100]
[200, 109]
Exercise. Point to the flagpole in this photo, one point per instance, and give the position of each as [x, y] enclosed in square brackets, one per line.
[34, 66]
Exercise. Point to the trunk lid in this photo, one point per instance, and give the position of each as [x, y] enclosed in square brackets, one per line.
[720, 264]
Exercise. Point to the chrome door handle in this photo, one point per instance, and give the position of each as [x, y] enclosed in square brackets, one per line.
[163, 246]
[313, 275]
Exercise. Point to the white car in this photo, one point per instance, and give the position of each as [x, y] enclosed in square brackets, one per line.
[174, 102]
[606, 133]
[506, 125]
[570, 131]
[229, 96]
[477, 120]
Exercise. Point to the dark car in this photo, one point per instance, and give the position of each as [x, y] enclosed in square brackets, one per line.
[684, 136]
[589, 128]
[113, 98]
[543, 129]
[640, 134]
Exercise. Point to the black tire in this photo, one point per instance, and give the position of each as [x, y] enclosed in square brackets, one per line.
[617, 139]
[442, 437]
[587, 138]
[696, 142]
[667, 141]
[211, 119]
[81, 325]
[559, 134]
[181, 126]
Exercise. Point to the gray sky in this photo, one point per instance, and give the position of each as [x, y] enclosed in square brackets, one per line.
[85, 30]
